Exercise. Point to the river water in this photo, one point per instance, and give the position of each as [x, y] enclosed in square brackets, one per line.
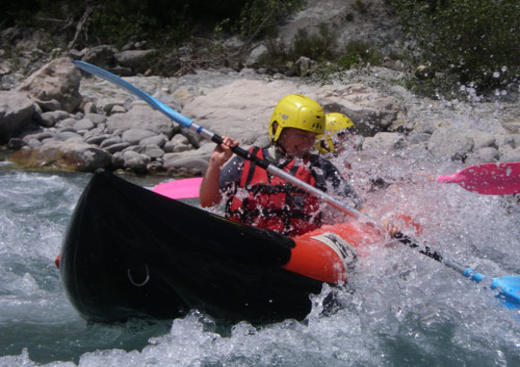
[401, 308]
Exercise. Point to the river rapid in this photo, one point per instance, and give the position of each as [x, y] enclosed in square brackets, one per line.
[400, 308]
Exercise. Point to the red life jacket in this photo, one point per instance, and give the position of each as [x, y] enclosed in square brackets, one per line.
[267, 201]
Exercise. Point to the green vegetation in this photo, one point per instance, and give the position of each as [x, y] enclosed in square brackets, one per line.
[157, 21]
[323, 49]
[470, 42]
[454, 44]
[260, 18]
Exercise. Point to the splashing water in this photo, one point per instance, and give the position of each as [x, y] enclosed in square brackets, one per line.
[399, 307]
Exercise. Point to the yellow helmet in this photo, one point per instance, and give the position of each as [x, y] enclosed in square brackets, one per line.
[335, 123]
[299, 112]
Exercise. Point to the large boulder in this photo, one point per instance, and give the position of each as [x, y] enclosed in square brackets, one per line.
[137, 60]
[102, 56]
[16, 113]
[56, 82]
[370, 111]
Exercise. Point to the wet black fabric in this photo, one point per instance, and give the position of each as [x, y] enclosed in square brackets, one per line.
[130, 252]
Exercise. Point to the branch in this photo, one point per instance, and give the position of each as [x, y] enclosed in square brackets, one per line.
[88, 12]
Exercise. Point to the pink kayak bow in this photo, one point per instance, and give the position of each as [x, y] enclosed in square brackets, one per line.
[187, 188]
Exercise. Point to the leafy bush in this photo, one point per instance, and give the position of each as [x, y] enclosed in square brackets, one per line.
[358, 52]
[477, 41]
[158, 21]
[260, 18]
[317, 46]
[323, 48]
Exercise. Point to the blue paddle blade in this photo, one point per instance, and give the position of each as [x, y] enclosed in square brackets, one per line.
[114, 79]
[509, 290]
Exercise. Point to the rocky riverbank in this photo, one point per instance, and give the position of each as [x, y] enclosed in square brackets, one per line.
[59, 118]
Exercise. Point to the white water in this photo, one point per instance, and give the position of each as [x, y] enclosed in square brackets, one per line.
[401, 308]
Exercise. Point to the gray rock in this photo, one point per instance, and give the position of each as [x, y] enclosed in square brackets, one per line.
[175, 145]
[138, 60]
[117, 109]
[84, 124]
[482, 139]
[483, 155]
[102, 56]
[303, 66]
[370, 111]
[110, 141]
[96, 118]
[255, 55]
[66, 123]
[58, 80]
[118, 160]
[189, 165]
[97, 139]
[155, 166]
[38, 136]
[385, 141]
[194, 162]
[135, 161]
[49, 119]
[152, 151]
[418, 137]
[116, 147]
[159, 140]
[16, 143]
[68, 154]
[134, 136]
[90, 107]
[509, 154]
[35, 143]
[512, 126]
[141, 117]
[49, 105]
[64, 135]
[451, 143]
[16, 112]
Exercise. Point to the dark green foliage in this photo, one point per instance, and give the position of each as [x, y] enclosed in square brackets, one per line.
[359, 52]
[476, 40]
[260, 18]
[323, 48]
[320, 46]
[157, 21]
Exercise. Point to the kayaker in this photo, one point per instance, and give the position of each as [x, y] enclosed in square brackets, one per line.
[337, 133]
[257, 198]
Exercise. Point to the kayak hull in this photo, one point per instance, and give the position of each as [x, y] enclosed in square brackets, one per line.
[129, 252]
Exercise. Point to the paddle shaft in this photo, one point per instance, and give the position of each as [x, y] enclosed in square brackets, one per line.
[186, 122]
[432, 254]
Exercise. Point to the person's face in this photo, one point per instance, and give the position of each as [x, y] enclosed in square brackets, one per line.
[296, 142]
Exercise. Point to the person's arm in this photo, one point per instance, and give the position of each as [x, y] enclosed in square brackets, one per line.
[209, 193]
